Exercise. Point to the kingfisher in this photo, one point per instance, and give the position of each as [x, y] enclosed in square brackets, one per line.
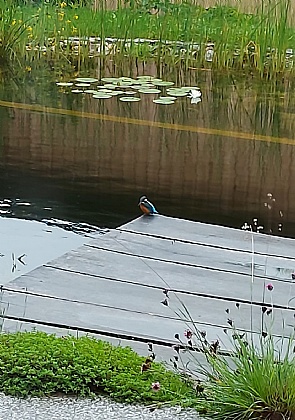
[146, 206]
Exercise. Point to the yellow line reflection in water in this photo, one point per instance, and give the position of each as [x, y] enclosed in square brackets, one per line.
[156, 124]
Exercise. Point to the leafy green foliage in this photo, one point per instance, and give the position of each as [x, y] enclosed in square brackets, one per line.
[34, 363]
[257, 381]
[241, 40]
[12, 30]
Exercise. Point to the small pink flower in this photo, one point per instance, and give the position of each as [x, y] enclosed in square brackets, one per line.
[156, 386]
[269, 287]
[188, 334]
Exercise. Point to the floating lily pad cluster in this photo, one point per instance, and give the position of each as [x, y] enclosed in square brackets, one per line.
[129, 89]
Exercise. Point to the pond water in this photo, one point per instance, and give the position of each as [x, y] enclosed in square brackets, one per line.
[225, 160]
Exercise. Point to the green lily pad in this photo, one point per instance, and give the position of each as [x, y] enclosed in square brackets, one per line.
[149, 90]
[82, 84]
[110, 86]
[77, 91]
[123, 83]
[90, 91]
[129, 99]
[136, 82]
[125, 78]
[156, 80]
[86, 79]
[163, 102]
[135, 87]
[116, 92]
[64, 83]
[108, 91]
[102, 96]
[177, 93]
[110, 79]
[162, 83]
[169, 98]
[147, 85]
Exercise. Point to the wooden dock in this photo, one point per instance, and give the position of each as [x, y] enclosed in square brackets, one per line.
[113, 286]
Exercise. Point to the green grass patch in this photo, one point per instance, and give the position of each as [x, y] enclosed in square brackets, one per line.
[35, 363]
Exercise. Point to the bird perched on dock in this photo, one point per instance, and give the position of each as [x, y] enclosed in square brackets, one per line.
[146, 206]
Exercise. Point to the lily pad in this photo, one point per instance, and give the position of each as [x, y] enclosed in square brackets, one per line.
[125, 79]
[169, 98]
[90, 91]
[163, 101]
[136, 87]
[116, 92]
[86, 79]
[124, 83]
[101, 96]
[129, 99]
[177, 93]
[147, 85]
[110, 79]
[77, 91]
[136, 82]
[64, 83]
[82, 84]
[110, 86]
[149, 90]
[162, 83]
[108, 91]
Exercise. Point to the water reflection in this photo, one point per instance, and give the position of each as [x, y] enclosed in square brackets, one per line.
[94, 170]
[26, 245]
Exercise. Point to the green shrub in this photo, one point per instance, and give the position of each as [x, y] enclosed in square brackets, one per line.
[34, 363]
[256, 382]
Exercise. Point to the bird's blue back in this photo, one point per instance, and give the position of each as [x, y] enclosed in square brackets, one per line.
[150, 206]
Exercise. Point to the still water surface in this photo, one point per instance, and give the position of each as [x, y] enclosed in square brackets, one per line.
[217, 161]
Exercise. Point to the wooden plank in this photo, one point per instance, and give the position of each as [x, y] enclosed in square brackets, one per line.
[226, 260]
[158, 274]
[181, 229]
[119, 300]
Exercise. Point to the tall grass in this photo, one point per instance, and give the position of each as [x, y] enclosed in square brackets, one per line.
[181, 33]
[257, 382]
[14, 29]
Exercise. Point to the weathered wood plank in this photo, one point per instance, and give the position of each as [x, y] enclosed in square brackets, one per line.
[97, 295]
[227, 260]
[211, 235]
[159, 274]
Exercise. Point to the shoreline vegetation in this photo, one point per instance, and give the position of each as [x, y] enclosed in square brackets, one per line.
[183, 35]
[40, 364]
